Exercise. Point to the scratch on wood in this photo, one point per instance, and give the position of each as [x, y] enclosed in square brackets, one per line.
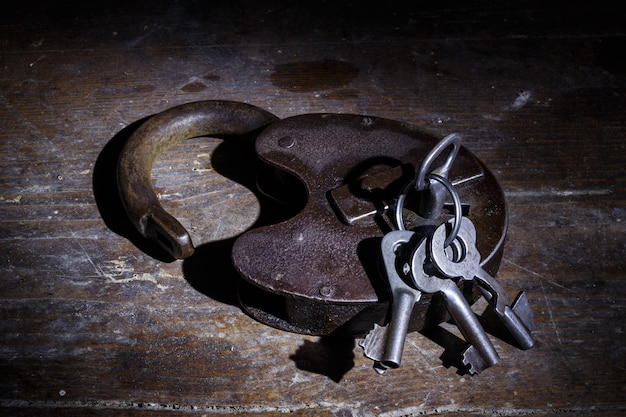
[299, 378]
[95, 267]
[521, 99]
[545, 297]
[119, 268]
[585, 192]
[134, 42]
[16, 200]
[556, 284]
[522, 268]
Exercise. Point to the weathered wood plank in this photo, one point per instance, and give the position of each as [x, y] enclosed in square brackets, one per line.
[90, 323]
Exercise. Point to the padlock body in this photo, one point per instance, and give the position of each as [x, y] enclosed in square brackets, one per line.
[318, 272]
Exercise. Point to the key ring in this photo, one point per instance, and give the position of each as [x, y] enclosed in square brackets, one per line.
[440, 175]
[458, 209]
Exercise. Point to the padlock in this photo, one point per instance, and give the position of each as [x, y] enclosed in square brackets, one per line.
[318, 271]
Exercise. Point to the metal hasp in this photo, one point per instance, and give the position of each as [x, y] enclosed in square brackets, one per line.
[319, 272]
[151, 139]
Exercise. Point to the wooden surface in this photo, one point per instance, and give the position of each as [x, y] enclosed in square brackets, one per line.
[90, 324]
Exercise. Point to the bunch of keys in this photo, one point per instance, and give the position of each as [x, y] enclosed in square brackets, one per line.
[416, 264]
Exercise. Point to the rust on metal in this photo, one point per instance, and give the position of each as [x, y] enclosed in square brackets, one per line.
[151, 139]
[320, 268]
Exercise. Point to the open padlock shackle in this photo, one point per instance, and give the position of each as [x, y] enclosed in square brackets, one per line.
[151, 139]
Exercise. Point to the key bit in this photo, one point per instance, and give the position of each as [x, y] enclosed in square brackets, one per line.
[522, 309]
[373, 346]
[475, 361]
[463, 261]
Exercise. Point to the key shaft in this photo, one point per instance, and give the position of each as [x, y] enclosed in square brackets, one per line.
[469, 326]
[403, 303]
[404, 297]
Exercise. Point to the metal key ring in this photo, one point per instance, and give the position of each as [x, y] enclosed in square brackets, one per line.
[152, 138]
[458, 209]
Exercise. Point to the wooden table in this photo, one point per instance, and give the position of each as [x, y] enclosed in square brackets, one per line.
[93, 325]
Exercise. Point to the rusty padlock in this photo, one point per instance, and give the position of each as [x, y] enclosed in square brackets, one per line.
[317, 272]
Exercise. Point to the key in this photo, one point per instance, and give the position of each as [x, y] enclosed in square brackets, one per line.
[385, 344]
[462, 260]
[480, 354]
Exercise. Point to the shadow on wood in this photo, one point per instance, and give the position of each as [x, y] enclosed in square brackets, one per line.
[331, 356]
[107, 196]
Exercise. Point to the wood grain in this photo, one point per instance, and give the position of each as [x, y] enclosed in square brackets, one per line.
[92, 324]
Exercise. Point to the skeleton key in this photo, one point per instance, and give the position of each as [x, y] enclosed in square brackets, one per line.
[481, 353]
[464, 262]
[385, 344]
